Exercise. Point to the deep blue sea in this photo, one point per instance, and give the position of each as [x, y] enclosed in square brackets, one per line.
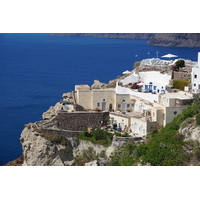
[36, 69]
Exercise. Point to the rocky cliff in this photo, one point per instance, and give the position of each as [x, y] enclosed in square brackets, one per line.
[47, 149]
[154, 39]
[40, 151]
[175, 39]
[107, 35]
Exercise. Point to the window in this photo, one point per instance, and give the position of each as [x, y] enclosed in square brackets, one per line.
[103, 99]
[195, 76]
[194, 84]
[132, 106]
[175, 112]
[110, 106]
[154, 87]
[119, 105]
[128, 105]
[98, 104]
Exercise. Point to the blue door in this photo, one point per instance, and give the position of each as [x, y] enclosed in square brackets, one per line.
[150, 87]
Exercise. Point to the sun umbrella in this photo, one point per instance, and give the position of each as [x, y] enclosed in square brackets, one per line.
[126, 72]
[169, 56]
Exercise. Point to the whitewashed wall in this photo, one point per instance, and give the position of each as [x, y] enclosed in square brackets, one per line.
[146, 96]
[130, 79]
[155, 77]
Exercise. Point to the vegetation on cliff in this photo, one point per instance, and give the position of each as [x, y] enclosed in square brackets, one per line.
[165, 147]
[86, 155]
[100, 136]
[180, 84]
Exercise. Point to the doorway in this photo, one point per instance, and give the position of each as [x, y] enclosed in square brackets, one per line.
[103, 106]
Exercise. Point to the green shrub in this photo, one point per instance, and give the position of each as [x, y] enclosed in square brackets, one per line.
[118, 134]
[122, 134]
[198, 119]
[86, 155]
[102, 153]
[125, 135]
[180, 84]
[136, 64]
[97, 136]
[180, 63]
[124, 156]
[197, 153]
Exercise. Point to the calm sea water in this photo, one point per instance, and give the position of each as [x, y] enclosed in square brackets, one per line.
[36, 69]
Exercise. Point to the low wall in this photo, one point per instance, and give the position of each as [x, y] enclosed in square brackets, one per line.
[67, 134]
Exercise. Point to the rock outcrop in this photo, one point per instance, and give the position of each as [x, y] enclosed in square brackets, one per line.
[52, 111]
[39, 151]
[47, 149]
[118, 142]
[17, 162]
[98, 85]
[85, 144]
[92, 163]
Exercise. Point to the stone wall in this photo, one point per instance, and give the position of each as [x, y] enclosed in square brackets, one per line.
[161, 68]
[78, 120]
[183, 102]
[182, 75]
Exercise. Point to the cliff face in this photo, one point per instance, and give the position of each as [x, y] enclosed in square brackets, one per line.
[46, 151]
[107, 35]
[39, 151]
[154, 39]
[175, 39]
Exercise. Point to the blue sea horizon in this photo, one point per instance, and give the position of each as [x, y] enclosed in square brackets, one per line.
[36, 69]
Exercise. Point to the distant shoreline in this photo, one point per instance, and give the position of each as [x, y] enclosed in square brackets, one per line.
[154, 39]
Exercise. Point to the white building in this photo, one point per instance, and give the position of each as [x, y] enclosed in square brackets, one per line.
[139, 112]
[151, 81]
[154, 81]
[195, 77]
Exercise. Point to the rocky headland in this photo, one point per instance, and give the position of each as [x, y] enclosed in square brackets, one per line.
[154, 39]
[52, 149]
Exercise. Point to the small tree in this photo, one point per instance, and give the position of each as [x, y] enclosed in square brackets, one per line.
[180, 63]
